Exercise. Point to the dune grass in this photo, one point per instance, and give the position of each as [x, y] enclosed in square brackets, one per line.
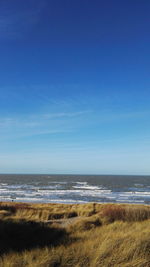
[74, 235]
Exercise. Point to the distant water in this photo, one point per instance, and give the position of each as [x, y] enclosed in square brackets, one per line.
[75, 188]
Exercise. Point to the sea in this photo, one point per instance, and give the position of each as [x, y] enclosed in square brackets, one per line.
[75, 188]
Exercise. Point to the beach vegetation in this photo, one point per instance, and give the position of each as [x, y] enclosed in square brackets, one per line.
[89, 235]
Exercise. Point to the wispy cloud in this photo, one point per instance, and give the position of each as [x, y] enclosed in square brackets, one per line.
[35, 120]
[66, 114]
[60, 122]
[38, 124]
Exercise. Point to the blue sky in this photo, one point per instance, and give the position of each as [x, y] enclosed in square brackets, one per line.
[74, 86]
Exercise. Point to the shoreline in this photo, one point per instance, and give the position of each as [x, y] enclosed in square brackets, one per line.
[74, 203]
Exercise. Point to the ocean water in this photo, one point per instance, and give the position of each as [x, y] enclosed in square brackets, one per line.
[75, 188]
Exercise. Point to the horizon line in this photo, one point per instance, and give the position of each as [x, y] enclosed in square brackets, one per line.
[83, 174]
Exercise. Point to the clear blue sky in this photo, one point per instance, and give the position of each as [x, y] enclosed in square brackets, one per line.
[75, 86]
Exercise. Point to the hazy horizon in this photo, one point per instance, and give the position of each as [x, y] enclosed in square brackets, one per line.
[73, 174]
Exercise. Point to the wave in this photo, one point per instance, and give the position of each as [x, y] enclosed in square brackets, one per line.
[87, 187]
[71, 192]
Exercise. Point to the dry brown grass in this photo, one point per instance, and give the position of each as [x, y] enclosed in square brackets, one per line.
[128, 213]
[102, 235]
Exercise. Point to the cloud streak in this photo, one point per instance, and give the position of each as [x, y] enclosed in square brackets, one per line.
[61, 122]
[36, 120]
[47, 123]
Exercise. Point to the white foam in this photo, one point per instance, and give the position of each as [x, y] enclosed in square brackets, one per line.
[53, 182]
[3, 189]
[77, 192]
[142, 193]
[88, 187]
[82, 183]
[49, 187]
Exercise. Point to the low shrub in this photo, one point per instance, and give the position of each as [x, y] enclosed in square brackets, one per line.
[114, 212]
[137, 214]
